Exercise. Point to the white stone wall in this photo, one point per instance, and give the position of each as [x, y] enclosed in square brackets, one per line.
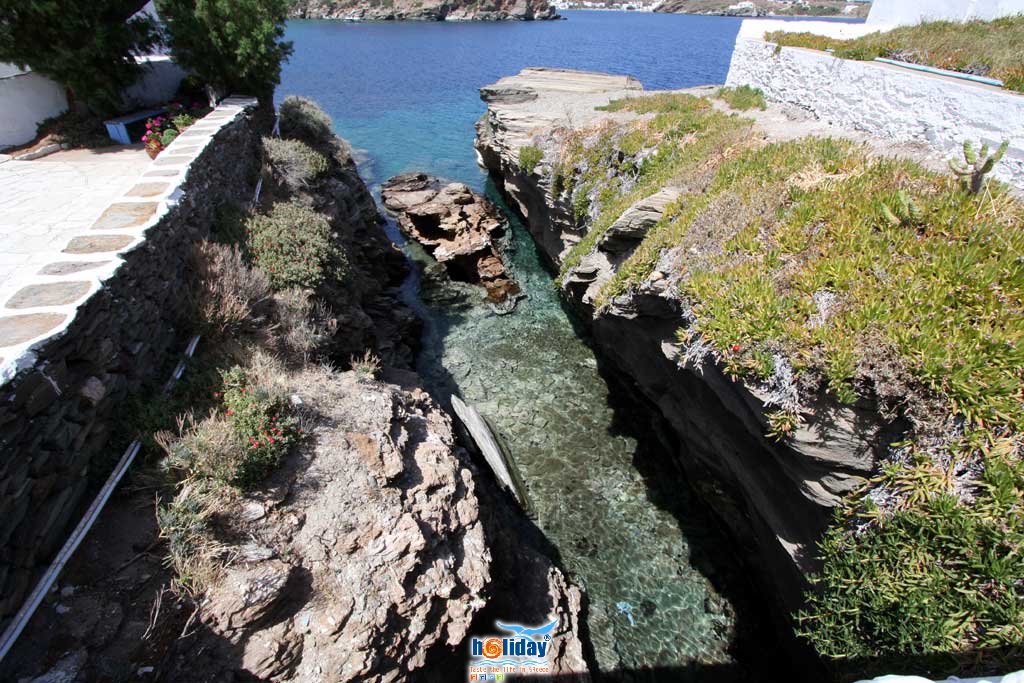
[885, 101]
[26, 98]
[906, 12]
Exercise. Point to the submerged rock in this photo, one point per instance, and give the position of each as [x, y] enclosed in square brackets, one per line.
[456, 225]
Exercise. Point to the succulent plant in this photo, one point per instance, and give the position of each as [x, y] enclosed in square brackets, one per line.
[976, 166]
[904, 212]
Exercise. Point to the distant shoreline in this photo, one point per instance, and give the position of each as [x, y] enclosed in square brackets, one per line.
[840, 17]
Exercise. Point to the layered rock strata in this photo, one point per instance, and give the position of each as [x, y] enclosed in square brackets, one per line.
[456, 225]
[777, 498]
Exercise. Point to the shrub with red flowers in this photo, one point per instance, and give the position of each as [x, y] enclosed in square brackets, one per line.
[264, 426]
[162, 130]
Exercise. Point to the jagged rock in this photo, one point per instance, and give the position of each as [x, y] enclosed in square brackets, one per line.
[381, 525]
[456, 225]
[424, 10]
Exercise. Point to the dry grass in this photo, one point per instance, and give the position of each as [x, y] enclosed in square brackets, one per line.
[984, 48]
[305, 324]
[229, 297]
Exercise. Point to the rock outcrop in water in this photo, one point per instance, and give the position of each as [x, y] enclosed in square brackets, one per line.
[456, 225]
[777, 498]
[428, 10]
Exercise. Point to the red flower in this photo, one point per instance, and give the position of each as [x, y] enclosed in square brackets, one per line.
[736, 348]
[230, 412]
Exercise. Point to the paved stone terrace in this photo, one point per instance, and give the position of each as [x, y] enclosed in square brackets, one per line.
[67, 220]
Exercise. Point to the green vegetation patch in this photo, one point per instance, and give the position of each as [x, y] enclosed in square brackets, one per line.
[295, 246]
[871, 279]
[742, 98]
[302, 119]
[604, 171]
[529, 157]
[294, 164]
[983, 48]
[937, 575]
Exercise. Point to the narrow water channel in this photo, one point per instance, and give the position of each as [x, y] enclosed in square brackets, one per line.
[601, 485]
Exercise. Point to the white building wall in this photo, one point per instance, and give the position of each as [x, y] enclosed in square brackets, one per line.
[26, 99]
[884, 101]
[904, 12]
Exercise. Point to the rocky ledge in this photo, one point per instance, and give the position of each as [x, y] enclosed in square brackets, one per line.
[776, 497]
[456, 225]
[427, 10]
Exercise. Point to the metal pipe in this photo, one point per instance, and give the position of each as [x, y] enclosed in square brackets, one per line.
[30, 606]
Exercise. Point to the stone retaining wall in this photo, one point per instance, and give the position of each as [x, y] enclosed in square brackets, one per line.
[885, 101]
[99, 326]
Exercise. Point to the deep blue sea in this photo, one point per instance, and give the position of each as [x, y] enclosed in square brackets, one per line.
[407, 92]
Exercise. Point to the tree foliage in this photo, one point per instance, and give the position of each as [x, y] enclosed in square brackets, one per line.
[235, 45]
[86, 46]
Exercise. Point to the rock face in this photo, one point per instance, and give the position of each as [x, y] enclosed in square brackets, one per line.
[367, 556]
[456, 225]
[427, 10]
[776, 498]
[763, 8]
[379, 520]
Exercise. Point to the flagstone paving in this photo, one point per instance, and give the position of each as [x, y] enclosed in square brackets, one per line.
[46, 202]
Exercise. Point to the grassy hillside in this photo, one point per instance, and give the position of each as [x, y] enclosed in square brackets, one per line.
[984, 48]
[814, 267]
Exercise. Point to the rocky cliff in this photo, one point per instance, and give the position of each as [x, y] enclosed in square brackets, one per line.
[764, 8]
[369, 553]
[777, 497]
[423, 10]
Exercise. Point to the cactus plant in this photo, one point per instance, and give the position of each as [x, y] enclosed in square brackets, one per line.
[976, 166]
[904, 212]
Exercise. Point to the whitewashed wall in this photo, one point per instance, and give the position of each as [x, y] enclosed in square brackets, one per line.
[903, 12]
[26, 99]
[884, 101]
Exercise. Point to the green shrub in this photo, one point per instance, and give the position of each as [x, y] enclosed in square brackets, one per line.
[235, 45]
[529, 157]
[294, 245]
[168, 136]
[294, 163]
[742, 98]
[263, 425]
[302, 119]
[935, 577]
[183, 121]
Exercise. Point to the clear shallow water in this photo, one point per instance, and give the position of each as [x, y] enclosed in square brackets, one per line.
[603, 490]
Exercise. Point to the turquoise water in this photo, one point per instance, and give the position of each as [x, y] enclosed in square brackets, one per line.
[603, 489]
[408, 92]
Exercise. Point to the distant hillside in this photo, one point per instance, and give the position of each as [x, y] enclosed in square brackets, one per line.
[761, 8]
[423, 10]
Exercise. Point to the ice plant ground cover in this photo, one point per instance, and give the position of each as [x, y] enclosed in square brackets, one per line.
[800, 259]
[983, 48]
